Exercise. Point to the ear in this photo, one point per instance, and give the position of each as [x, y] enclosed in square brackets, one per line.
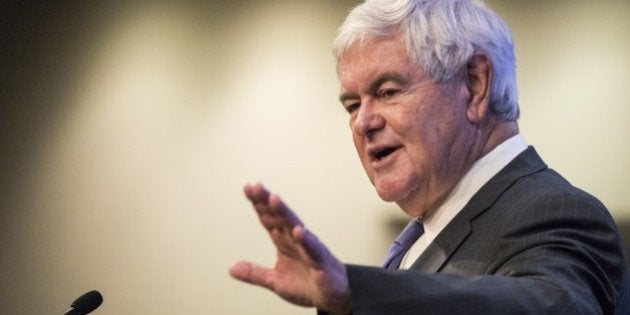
[479, 76]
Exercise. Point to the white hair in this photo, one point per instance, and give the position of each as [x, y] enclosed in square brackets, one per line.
[441, 36]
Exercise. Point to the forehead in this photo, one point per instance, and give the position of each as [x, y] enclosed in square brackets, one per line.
[369, 50]
[363, 61]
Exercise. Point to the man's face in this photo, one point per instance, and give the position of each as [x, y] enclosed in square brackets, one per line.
[411, 134]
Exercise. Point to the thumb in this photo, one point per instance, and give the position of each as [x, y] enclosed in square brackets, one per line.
[251, 273]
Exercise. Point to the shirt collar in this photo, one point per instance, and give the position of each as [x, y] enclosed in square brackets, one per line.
[478, 175]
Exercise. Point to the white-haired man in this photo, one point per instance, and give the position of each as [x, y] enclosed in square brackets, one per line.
[431, 95]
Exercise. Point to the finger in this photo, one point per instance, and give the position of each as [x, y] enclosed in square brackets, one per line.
[279, 208]
[273, 212]
[275, 216]
[278, 219]
[287, 221]
[259, 196]
[256, 193]
[315, 250]
[251, 273]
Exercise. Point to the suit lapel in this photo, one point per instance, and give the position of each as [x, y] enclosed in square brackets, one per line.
[445, 244]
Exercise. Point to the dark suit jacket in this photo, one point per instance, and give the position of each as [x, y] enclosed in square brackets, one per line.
[527, 243]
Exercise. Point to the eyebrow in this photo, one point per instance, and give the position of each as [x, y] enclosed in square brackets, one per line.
[376, 83]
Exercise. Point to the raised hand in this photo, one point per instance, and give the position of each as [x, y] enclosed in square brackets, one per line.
[305, 273]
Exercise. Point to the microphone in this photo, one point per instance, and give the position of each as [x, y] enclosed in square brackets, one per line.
[85, 304]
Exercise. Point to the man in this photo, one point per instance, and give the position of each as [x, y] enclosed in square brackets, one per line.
[430, 90]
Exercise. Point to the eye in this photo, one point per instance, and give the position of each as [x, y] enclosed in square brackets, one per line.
[351, 107]
[388, 93]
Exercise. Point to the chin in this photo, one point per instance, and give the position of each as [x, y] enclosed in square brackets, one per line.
[402, 192]
[392, 194]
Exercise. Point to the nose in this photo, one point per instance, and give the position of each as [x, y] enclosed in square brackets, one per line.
[368, 120]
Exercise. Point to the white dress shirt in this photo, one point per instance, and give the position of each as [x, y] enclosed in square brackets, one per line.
[478, 175]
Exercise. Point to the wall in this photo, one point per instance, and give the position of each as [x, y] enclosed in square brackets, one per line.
[129, 129]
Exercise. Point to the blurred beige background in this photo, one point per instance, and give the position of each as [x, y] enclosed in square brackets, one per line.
[127, 131]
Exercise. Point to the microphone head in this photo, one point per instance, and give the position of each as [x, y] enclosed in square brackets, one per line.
[88, 302]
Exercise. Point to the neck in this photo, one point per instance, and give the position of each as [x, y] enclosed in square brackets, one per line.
[484, 141]
[503, 131]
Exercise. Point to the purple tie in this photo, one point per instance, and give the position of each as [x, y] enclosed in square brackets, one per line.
[403, 242]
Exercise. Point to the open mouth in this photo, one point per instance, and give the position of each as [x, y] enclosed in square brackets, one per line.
[383, 153]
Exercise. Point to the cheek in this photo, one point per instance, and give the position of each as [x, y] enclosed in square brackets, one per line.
[359, 145]
[417, 157]
[429, 132]
[425, 150]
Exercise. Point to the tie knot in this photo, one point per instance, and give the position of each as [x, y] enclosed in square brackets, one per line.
[410, 234]
[403, 242]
